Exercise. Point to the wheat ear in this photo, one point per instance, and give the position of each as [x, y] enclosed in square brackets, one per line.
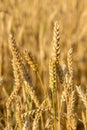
[29, 58]
[56, 43]
[70, 66]
[52, 85]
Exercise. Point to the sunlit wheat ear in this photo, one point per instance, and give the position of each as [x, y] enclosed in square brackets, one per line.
[16, 73]
[16, 54]
[71, 112]
[70, 65]
[32, 94]
[16, 84]
[38, 116]
[18, 112]
[15, 63]
[56, 43]
[29, 58]
[34, 112]
[8, 104]
[52, 75]
[56, 51]
[18, 59]
[70, 61]
[53, 86]
[37, 113]
[19, 64]
[9, 125]
[14, 93]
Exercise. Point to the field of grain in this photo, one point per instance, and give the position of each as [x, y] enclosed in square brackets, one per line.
[43, 65]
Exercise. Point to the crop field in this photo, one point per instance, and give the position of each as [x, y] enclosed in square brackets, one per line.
[43, 64]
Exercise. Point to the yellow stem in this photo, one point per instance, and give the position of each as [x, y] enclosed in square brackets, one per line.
[54, 109]
[41, 84]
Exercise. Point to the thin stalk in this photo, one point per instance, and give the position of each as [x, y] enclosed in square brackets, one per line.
[42, 85]
[54, 109]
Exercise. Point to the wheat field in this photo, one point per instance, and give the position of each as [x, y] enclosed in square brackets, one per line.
[43, 65]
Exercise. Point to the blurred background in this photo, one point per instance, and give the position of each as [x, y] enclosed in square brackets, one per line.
[32, 22]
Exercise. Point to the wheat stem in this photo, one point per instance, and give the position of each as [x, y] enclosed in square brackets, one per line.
[42, 85]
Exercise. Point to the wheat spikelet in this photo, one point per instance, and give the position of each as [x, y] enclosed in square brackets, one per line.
[29, 90]
[13, 94]
[70, 62]
[36, 122]
[15, 91]
[71, 113]
[28, 57]
[18, 60]
[8, 104]
[19, 64]
[16, 86]
[33, 112]
[16, 54]
[14, 48]
[32, 94]
[52, 85]
[37, 113]
[56, 43]
[52, 75]
[38, 116]
[9, 125]
[70, 66]
[56, 51]
[16, 73]
[18, 113]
